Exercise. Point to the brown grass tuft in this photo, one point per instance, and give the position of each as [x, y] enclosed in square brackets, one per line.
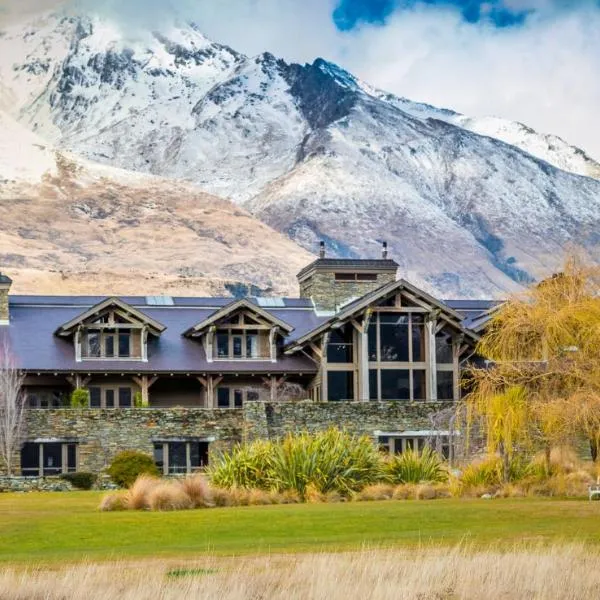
[169, 496]
[137, 496]
[113, 502]
[199, 491]
[379, 491]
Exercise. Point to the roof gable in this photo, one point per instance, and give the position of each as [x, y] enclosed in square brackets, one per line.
[416, 295]
[67, 328]
[233, 307]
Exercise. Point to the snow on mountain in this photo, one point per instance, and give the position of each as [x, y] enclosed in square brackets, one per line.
[471, 207]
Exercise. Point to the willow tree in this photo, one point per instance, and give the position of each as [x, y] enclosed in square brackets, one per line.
[543, 351]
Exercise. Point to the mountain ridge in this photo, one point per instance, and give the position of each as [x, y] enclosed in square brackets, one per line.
[312, 151]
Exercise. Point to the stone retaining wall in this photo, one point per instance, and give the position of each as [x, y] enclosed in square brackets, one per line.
[101, 434]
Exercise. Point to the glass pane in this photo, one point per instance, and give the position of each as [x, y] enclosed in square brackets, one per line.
[93, 338]
[419, 385]
[398, 445]
[237, 346]
[95, 397]
[30, 460]
[445, 385]
[109, 346]
[109, 398]
[159, 455]
[409, 444]
[72, 458]
[373, 385]
[372, 335]
[222, 345]
[125, 397]
[395, 384]
[177, 457]
[443, 348]
[340, 385]
[251, 345]
[223, 397]
[52, 459]
[124, 344]
[393, 334]
[418, 338]
[339, 346]
[252, 396]
[238, 398]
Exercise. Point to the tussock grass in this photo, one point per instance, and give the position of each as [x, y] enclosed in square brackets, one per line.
[532, 573]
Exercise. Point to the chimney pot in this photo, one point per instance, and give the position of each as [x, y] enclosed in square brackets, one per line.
[384, 251]
[322, 250]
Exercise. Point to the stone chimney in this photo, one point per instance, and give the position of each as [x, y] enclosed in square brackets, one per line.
[5, 283]
[333, 282]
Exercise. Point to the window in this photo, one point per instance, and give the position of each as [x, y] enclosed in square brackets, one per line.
[124, 344]
[397, 356]
[48, 458]
[445, 385]
[443, 348]
[238, 344]
[46, 399]
[397, 444]
[110, 397]
[356, 277]
[235, 397]
[340, 385]
[339, 345]
[108, 343]
[179, 457]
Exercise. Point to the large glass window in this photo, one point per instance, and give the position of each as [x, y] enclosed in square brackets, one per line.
[443, 348]
[48, 458]
[418, 338]
[222, 345]
[395, 384]
[107, 343]
[393, 338]
[124, 344]
[93, 340]
[445, 385]
[110, 397]
[125, 399]
[340, 385]
[339, 346]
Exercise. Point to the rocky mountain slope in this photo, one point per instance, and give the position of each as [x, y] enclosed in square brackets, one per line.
[470, 207]
[71, 226]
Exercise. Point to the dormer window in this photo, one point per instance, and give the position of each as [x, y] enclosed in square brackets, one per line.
[241, 331]
[111, 330]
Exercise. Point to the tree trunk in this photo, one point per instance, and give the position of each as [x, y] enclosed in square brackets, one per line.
[594, 449]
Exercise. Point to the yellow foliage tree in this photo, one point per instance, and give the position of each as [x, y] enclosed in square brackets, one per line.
[543, 374]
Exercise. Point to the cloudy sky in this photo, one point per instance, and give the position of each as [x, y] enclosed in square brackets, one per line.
[536, 61]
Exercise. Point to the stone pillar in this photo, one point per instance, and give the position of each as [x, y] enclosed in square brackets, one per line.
[5, 283]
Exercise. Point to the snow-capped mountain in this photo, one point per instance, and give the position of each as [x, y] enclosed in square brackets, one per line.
[470, 207]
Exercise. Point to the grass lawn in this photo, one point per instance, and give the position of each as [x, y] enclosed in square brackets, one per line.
[59, 527]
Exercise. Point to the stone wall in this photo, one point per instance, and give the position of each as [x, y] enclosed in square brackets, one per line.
[34, 484]
[329, 294]
[4, 316]
[103, 433]
[273, 420]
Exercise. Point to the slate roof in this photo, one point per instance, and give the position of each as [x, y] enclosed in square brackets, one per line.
[34, 320]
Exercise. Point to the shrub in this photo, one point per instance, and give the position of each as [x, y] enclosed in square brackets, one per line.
[80, 398]
[330, 461]
[128, 465]
[81, 480]
[138, 401]
[169, 495]
[246, 466]
[481, 473]
[414, 467]
[378, 491]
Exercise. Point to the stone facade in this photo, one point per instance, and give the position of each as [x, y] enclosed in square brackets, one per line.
[329, 294]
[4, 288]
[274, 420]
[101, 434]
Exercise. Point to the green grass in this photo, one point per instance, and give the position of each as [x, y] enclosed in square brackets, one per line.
[50, 528]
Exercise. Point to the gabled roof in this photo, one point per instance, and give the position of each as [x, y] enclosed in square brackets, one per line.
[67, 329]
[452, 316]
[232, 308]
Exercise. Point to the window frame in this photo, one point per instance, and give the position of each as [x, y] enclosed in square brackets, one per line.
[46, 471]
[115, 389]
[162, 449]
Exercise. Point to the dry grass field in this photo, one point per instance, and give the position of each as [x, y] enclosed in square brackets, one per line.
[558, 572]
